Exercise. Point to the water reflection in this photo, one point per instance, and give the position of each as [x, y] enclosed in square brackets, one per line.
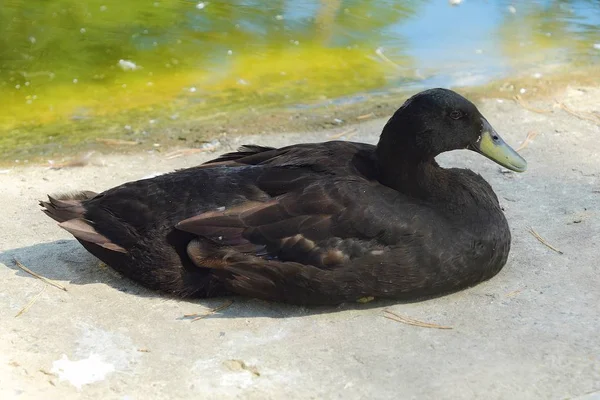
[69, 60]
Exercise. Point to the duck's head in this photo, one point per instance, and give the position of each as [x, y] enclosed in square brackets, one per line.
[438, 120]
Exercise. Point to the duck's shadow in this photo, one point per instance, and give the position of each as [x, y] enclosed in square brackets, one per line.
[67, 260]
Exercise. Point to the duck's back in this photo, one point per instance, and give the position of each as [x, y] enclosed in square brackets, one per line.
[131, 227]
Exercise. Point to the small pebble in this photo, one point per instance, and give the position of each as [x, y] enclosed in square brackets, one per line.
[211, 145]
[200, 6]
[127, 65]
[522, 91]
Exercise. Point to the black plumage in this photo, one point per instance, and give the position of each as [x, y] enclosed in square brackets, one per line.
[321, 223]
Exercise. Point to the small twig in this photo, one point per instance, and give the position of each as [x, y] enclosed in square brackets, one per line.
[44, 279]
[31, 302]
[43, 371]
[526, 106]
[350, 132]
[351, 135]
[530, 136]
[543, 241]
[116, 142]
[365, 116]
[410, 321]
[380, 54]
[579, 115]
[222, 307]
[513, 293]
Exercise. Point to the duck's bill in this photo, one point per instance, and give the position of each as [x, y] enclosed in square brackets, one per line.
[491, 145]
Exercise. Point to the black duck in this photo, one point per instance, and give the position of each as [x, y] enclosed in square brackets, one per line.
[321, 223]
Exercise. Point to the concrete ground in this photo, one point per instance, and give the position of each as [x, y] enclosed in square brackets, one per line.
[532, 332]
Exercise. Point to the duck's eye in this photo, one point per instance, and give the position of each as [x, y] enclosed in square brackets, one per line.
[456, 114]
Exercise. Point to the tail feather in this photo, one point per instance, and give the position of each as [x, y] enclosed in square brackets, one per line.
[83, 230]
[64, 207]
[68, 209]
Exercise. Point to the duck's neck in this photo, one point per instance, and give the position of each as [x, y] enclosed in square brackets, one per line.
[415, 177]
[456, 193]
[403, 164]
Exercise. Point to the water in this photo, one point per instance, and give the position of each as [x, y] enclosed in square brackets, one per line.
[72, 70]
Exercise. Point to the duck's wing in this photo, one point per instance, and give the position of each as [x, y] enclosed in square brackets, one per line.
[288, 227]
[246, 154]
[296, 241]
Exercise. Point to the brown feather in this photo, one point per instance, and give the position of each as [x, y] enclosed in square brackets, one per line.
[83, 230]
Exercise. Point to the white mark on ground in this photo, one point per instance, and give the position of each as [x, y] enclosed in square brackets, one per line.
[82, 372]
[98, 353]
